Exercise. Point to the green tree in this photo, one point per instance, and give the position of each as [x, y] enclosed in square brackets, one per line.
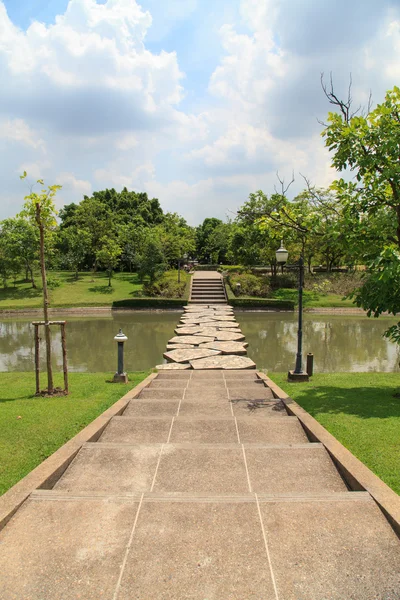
[108, 255]
[39, 208]
[21, 241]
[152, 263]
[75, 244]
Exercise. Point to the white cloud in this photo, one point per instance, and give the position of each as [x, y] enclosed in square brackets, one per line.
[17, 130]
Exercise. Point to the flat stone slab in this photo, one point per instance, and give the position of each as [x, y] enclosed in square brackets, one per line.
[59, 549]
[104, 468]
[251, 391]
[273, 431]
[223, 362]
[300, 469]
[332, 549]
[226, 347]
[200, 550]
[162, 394]
[194, 409]
[259, 409]
[176, 346]
[187, 330]
[193, 340]
[225, 336]
[173, 366]
[152, 408]
[185, 356]
[128, 430]
[204, 431]
[201, 469]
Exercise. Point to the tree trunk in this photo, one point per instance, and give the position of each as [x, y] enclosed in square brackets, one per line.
[76, 274]
[50, 385]
[309, 263]
[34, 286]
[109, 277]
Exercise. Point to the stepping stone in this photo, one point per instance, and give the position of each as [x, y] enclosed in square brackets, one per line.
[185, 356]
[207, 331]
[223, 362]
[173, 366]
[190, 339]
[226, 347]
[229, 336]
[298, 468]
[198, 550]
[225, 324]
[224, 318]
[176, 346]
[187, 330]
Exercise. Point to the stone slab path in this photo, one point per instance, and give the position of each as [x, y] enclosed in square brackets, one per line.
[212, 338]
[204, 488]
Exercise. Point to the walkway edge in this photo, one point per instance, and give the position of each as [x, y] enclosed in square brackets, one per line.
[50, 470]
[357, 475]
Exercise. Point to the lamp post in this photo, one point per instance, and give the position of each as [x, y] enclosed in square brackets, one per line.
[281, 258]
[120, 376]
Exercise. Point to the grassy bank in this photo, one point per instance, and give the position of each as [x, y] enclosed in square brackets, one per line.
[361, 411]
[88, 290]
[45, 424]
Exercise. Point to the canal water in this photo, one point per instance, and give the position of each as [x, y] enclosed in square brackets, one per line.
[339, 343]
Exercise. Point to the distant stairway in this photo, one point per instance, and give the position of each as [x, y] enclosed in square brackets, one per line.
[207, 288]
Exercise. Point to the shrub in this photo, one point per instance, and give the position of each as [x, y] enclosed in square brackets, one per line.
[165, 288]
[262, 303]
[250, 285]
[333, 283]
[284, 280]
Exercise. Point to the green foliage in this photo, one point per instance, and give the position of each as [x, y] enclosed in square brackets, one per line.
[150, 303]
[284, 280]
[249, 285]
[151, 262]
[108, 255]
[380, 290]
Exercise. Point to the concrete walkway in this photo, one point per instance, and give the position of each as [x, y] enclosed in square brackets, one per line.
[204, 489]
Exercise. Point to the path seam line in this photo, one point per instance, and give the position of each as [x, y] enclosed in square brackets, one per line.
[158, 464]
[118, 586]
[170, 429]
[267, 549]
[237, 430]
[247, 470]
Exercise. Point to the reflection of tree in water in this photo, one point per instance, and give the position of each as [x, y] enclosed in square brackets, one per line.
[338, 343]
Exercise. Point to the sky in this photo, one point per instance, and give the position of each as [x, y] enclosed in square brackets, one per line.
[196, 102]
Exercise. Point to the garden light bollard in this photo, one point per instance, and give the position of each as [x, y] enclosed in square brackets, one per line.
[120, 376]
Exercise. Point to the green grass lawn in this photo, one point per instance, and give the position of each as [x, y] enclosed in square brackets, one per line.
[47, 423]
[314, 299]
[88, 290]
[359, 409]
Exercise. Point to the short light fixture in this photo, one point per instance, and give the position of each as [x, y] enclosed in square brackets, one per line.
[120, 376]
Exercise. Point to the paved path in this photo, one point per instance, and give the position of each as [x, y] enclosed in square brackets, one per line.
[204, 489]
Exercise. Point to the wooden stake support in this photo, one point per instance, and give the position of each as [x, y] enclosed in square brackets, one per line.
[62, 324]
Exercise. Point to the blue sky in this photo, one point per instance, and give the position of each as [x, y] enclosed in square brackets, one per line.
[196, 102]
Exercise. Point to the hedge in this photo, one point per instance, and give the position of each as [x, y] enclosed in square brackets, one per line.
[150, 303]
[262, 303]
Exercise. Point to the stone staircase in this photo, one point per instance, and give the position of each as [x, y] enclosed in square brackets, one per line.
[204, 487]
[207, 288]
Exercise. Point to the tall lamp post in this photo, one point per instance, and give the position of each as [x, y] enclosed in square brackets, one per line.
[281, 258]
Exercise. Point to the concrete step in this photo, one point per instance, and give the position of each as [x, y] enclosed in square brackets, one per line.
[218, 543]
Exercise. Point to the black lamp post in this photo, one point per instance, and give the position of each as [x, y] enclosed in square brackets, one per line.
[281, 257]
[120, 376]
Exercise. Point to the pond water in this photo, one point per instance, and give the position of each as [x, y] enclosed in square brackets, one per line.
[339, 343]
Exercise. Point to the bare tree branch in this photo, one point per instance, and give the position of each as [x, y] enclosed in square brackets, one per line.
[282, 184]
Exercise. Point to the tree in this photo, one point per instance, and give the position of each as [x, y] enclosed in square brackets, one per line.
[76, 245]
[152, 263]
[108, 255]
[368, 146]
[39, 208]
[21, 240]
[203, 233]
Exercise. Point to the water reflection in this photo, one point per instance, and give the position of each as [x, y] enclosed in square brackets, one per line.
[339, 343]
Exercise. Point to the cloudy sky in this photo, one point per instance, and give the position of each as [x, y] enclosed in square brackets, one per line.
[196, 102]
